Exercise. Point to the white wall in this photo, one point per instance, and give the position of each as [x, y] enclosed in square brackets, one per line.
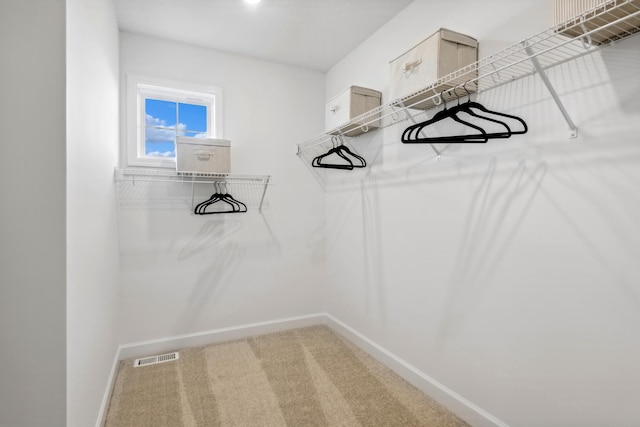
[507, 272]
[183, 273]
[32, 218]
[92, 233]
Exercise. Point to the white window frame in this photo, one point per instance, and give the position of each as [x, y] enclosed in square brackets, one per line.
[139, 87]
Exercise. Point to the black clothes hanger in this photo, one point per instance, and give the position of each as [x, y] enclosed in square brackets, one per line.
[241, 207]
[317, 161]
[339, 148]
[214, 198]
[411, 134]
[467, 109]
[236, 205]
[473, 104]
[361, 162]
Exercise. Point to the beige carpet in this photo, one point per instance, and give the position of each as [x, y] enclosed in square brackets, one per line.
[304, 377]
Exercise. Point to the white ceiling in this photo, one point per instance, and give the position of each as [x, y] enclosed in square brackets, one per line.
[313, 34]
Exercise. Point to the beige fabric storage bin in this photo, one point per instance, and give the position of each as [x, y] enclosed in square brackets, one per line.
[349, 104]
[566, 10]
[440, 54]
[203, 155]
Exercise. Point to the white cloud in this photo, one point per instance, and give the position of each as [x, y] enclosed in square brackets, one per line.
[153, 121]
[162, 154]
[153, 134]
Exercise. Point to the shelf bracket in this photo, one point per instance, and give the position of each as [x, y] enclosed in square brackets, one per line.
[413, 121]
[264, 191]
[534, 60]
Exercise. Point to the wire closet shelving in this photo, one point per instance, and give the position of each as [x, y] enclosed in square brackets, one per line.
[581, 35]
[261, 182]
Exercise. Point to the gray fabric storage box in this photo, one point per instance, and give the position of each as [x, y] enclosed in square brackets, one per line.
[438, 55]
[203, 155]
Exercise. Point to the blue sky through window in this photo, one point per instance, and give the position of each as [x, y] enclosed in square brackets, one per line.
[166, 119]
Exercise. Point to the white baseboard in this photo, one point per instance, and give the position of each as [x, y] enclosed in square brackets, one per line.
[102, 415]
[470, 412]
[164, 345]
[462, 407]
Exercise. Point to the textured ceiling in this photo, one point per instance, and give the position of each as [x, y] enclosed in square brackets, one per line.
[313, 34]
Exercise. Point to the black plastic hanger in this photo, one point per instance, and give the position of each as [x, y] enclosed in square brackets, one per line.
[473, 104]
[410, 134]
[341, 150]
[317, 161]
[236, 205]
[214, 198]
[361, 162]
[241, 207]
[467, 109]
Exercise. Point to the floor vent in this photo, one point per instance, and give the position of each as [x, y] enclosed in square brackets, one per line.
[152, 360]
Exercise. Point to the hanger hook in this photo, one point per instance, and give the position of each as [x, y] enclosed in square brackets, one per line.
[442, 98]
[451, 90]
[439, 97]
[456, 93]
[464, 86]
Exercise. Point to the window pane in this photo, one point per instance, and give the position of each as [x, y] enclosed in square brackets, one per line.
[160, 113]
[160, 149]
[193, 117]
[194, 134]
[160, 128]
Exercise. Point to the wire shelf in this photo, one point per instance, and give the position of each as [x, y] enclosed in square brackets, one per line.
[167, 175]
[249, 188]
[584, 34]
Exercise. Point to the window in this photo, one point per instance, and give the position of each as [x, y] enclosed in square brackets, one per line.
[158, 111]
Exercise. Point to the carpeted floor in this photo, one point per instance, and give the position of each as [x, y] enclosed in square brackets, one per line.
[304, 377]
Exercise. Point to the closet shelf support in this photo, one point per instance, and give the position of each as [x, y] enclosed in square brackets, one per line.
[264, 191]
[413, 121]
[573, 129]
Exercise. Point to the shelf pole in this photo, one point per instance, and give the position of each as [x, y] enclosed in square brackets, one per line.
[264, 192]
[193, 193]
[536, 63]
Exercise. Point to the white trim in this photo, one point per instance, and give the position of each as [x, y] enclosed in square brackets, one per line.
[165, 345]
[464, 408]
[102, 415]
